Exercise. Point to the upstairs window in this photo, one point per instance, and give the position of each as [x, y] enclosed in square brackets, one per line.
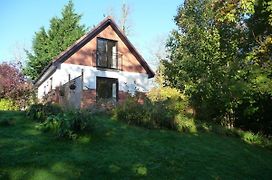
[106, 53]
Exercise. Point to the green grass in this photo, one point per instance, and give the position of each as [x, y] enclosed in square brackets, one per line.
[113, 150]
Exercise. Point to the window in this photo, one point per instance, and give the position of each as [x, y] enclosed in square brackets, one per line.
[51, 83]
[106, 53]
[107, 88]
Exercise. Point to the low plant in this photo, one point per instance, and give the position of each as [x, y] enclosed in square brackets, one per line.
[8, 105]
[52, 123]
[130, 111]
[173, 98]
[185, 124]
[246, 136]
[147, 114]
[67, 124]
[171, 114]
[164, 93]
[40, 112]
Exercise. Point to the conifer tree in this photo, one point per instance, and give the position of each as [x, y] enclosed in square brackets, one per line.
[62, 33]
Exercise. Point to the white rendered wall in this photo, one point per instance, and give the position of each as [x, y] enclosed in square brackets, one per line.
[128, 81]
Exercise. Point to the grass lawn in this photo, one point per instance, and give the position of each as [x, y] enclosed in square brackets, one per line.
[114, 150]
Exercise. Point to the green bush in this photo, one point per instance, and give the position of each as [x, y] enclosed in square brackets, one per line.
[130, 111]
[164, 93]
[67, 124]
[8, 105]
[40, 112]
[246, 136]
[179, 101]
[163, 114]
[52, 123]
[168, 113]
[149, 114]
[185, 124]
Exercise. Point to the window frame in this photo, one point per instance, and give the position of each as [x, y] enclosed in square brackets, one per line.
[116, 44]
[112, 80]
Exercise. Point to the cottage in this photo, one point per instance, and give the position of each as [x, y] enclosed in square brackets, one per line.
[101, 65]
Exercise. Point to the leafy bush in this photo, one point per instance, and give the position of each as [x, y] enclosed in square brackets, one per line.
[252, 138]
[246, 136]
[164, 93]
[130, 111]
[40, 112]
[8, 105]
[52, 123]
[185, 124]
[67, 124]
[158, 109]
[179, 101]
[163, 114]
[149, 114]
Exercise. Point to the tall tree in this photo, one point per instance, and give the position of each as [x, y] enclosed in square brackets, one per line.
[197, 64]
[124, 19]
[62, 33]
[221, 57]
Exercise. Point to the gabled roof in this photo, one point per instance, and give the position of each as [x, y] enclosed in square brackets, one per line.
[86, 38]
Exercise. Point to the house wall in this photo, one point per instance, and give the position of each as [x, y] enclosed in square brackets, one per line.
[131, 78]
[129, 82]
[86, 55]
[88, 98]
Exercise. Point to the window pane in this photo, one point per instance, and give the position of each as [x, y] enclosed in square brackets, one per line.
[106, 53]
[101, 52]
[106, 88]
[114, 90]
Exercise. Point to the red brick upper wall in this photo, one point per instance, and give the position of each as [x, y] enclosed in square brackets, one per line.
[86, 55]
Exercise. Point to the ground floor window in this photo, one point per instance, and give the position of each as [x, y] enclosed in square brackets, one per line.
[106, 88]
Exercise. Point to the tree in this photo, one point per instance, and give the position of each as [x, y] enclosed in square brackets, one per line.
[217, 60]
[62, 33]
[13, 85]
[255, 16]
[156, 53]
[124, 20]
[10, 80]
[197, 65]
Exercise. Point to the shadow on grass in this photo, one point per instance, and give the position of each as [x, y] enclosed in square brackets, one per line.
[115, 150]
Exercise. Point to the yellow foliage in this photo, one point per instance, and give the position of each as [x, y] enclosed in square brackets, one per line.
[164, 93]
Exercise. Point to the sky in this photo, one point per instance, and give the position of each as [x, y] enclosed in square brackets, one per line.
[19, 20]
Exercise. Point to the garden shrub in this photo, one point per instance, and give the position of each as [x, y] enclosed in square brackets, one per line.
[164, 93]
[158, 110]
[179, 101]
[52, 124]
[163, 114]
[246, 136]
[185, 124]
[131, 112]
[7, 105]
[40, 112]
[67, 124]
[251, 137]
[149, 114]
